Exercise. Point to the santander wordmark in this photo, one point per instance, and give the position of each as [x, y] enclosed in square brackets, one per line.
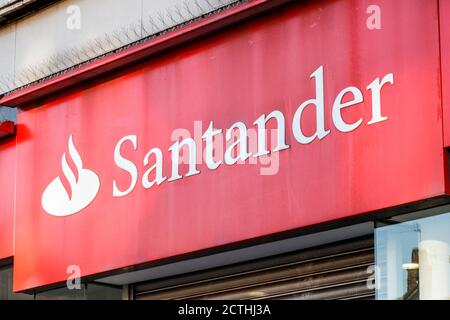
[238, 150]
[237, 147]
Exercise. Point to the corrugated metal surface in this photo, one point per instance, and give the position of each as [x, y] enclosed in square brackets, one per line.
[335, 271]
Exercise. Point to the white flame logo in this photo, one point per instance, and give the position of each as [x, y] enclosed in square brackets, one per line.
[57, 201]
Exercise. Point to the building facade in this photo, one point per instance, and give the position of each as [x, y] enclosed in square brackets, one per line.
[261, 149]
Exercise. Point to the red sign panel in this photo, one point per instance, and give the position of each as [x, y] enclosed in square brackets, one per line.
[7, 196]
[356, 105]
[444, 15]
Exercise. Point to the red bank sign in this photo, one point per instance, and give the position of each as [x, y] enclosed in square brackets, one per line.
[82, 186]
[302, 117]
[7, 176]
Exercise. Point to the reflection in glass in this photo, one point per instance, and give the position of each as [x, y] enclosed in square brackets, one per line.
[413, 259]
[412, 277]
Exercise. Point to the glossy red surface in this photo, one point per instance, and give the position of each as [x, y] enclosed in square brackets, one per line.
[7, 176]
[237, 76]
[444, 12]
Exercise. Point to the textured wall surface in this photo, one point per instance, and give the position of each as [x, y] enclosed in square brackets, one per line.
[73, 31]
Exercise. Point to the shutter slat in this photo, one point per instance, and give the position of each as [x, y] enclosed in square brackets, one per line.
[339, 272]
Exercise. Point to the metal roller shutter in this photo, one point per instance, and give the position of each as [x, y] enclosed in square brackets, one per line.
[334, 271]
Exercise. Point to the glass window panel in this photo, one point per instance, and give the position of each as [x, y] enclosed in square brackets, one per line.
[413, 259]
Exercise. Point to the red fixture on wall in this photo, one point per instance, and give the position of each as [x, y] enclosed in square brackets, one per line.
[8, 120]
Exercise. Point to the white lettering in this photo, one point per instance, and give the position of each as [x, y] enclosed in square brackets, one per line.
[158, 166]
[375, 87]
[281, 132]
[320, 113]
[338, 105]
[237, 136]
[240, 144]
[175, 149]
[126, 165]
[209, 149]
